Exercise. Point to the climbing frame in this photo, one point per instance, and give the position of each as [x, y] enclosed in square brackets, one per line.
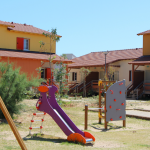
[114, 103]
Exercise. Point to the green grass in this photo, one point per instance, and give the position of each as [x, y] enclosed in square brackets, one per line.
[136, 135]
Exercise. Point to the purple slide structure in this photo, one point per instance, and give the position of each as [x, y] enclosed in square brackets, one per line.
[50, 106]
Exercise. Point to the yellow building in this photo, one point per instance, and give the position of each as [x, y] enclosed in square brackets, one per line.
[20, 43]
[24, 37]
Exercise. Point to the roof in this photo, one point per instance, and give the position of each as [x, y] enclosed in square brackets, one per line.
[34, 56]
[145, 32]
[95, 59]
[23, 28]
[143, 60]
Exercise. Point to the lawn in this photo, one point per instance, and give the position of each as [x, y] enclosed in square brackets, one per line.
[136, 135]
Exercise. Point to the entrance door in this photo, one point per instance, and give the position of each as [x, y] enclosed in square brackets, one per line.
[92, 76]
[138, 77]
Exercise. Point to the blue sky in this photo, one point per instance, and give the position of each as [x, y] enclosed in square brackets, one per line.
[85, 25]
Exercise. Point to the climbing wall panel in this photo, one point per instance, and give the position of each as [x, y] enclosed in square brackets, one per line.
[116, 102]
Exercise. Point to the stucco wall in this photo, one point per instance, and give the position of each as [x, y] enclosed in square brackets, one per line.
[123, 70]
[8, 39]
[25, 65]
[146, 44]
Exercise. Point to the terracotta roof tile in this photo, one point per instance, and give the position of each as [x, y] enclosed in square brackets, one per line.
[98, 58]
[23, 28]
[145, 32]
[142, 60]
[42, 57]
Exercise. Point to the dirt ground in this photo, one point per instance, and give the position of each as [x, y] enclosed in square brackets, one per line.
[134, 136]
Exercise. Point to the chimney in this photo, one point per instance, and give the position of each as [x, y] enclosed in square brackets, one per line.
[11, 22]
[25, 24]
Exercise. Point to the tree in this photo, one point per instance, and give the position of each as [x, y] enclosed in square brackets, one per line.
[84, 72]
[53, 37]
[13, 87]
[59, 74]
[109, 76]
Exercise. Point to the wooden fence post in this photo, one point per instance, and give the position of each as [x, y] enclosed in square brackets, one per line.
[86, 117]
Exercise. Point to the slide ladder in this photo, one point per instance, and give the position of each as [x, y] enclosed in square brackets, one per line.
[41, 120]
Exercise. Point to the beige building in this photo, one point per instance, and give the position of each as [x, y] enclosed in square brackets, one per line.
[133, 65]
[95, 62]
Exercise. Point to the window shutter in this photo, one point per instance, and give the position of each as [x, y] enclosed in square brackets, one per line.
[73, 76]
[76, 76]
[20, 43]
[48, 73]
[129, 75]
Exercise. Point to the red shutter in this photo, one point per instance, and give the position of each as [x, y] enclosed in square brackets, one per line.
[20, 43]
[48, 73]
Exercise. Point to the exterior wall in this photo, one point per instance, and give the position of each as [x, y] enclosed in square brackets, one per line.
[79, 76]
[25, 65]
[123, 70]
[146, 44]
[8, 39]
[147, 73]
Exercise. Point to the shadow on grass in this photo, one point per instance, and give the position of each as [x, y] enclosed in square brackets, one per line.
[43, 137]
[54, 139]
[109, 127]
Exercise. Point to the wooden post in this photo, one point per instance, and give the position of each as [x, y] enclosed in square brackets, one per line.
[107, 86]
[100, 88]
[132, 73]
[86, 117]
[124, 123]
[12, 125]
[105, 122]
[66, 73]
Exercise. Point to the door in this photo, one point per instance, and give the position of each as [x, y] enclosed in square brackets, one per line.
[92, 76]
[138, 78]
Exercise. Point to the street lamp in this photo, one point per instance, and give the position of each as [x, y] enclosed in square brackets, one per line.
[105, 53]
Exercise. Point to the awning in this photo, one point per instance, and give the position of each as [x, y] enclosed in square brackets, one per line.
[143, 60]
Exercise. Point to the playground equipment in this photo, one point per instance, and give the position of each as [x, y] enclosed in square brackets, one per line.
[114, 104]
[12, 125]
[42, 120]
[50, 106]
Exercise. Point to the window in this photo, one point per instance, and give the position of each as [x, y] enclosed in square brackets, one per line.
[74, 76]
[112, 77]
[130, 75]
[26, 44]
[102, 74]
[147, 76]
[116, 76]
[22, 44]
[43, 73]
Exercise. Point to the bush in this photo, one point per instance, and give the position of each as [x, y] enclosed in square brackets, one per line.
[13, 86]
[92, 93]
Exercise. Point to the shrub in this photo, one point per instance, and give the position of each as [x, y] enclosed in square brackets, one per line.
[13, 86]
